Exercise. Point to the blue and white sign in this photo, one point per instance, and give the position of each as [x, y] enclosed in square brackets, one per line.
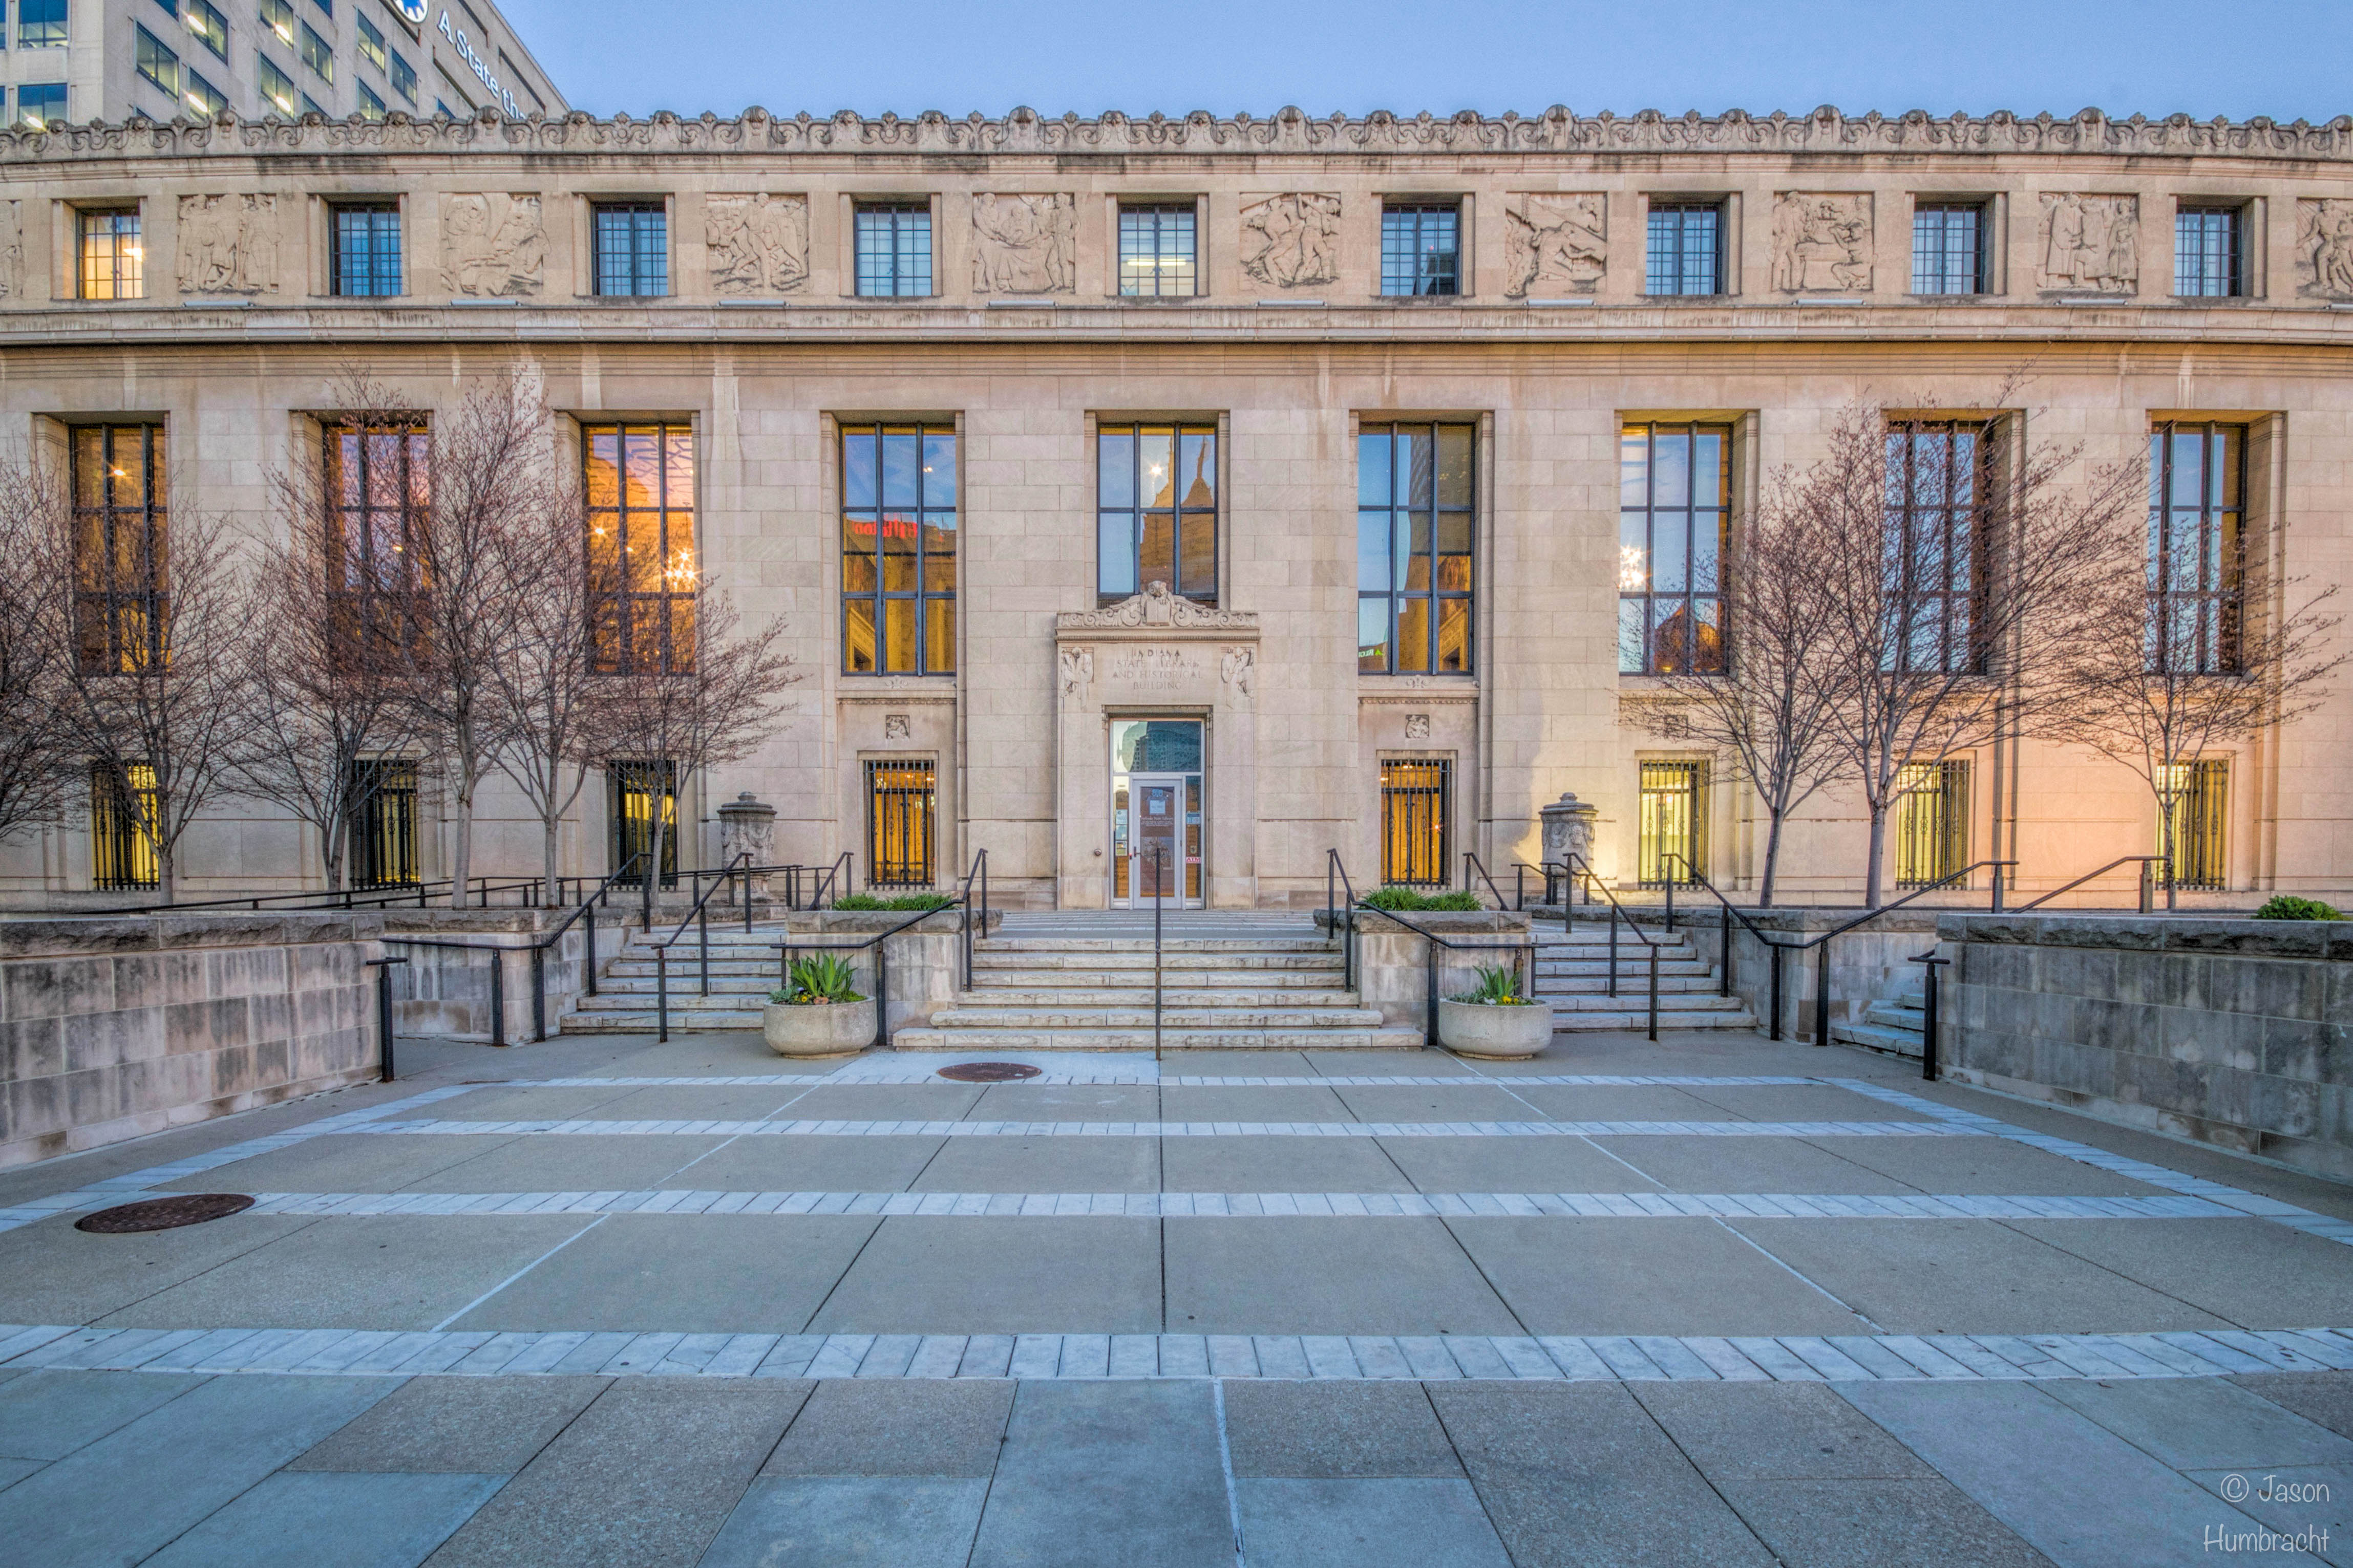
[414, 10]
[475, 63]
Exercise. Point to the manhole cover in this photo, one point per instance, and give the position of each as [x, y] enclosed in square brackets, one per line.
[165, 1214]
[988, 1073]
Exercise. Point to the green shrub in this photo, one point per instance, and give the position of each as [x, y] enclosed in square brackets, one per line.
[908, 901]
[1408, 899]
[820, 977]
[1499, 986]
[2288, 907]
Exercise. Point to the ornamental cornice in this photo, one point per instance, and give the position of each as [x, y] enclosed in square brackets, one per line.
[1826, 131]
[1155, 613]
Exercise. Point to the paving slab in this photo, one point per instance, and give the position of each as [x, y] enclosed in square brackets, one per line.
[1575, 1474]
[1179, 1103]
[1042, 1165]
[688, 1273]
[1280, 1163]
[1738, 1433]
[1512, 1165]
[52, 1273]
[188, 1458]
[1441, 1102]
[2324, 1397]
[378, 1271]
[1357, 1064]
[456, 1425]
[936, 1102]
[15, 1470]
[2078, 1493]
[776, 1163]
[922, 1275]
[1330, 1431]
[48, 1414]
[333, 1521]
[1643, 1276]
[1703, 1164]
[1283, 1275]
[1095, 1473]
[719, 1102]
[1069, 1102]
[1929, 1523]
[1981, 1165]
[1397, 1522]
[1631, 1102]
[884, 1426]
[340, 1163]
[1970, 1277]
[2204, 1424]
[1797, 1103]
[565, 1164]
[498, 1103]
[2248, 1271]
[836, 1521]
[1257, 1064]
[644, 1478]
[735, 1053]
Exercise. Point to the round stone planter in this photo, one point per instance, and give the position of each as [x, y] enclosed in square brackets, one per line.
[820, 1028]
[1476, 1029]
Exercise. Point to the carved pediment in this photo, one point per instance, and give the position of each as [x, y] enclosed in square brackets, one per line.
[1158, 609]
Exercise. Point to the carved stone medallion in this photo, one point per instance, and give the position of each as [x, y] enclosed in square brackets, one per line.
[1416, 726]
[1024, 244]
[2090, 243]
[493, 245]
[1292, 241]
[1821, 241]
[756, 244]
[1561, 240]
[895, 726]
[228, 245]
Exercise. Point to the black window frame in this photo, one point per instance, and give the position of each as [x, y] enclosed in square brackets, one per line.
[1146, 229]
[371, 45]
[1400, 595]
[1190, 464]
[2201, 809]
[55, 23]
[122, 855]
[374, 269]
[2195, 629]
[1679, 211]
[204, 20]
[266, 71]
[868, 218]
[201, 95]
[1934, 253]
[122, 549]
[866, 572]
[637, 630]
[317, 54]
[1412, 266]
[1939, 542]
[1701, 608]
[49, 90]
[403, 78]
[2200, 265]
[626, 273]
[153, 59]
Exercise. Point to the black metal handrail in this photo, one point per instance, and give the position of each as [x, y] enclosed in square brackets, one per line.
[1470, 865]
[1333, 866]
[698, 917]
[1930, 963]
[980, 870]
[1160, 901]
[418, 894]
[1574, 865]
[787, 948]
[2148, 882]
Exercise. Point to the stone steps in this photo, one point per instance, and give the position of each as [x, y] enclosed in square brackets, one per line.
[1332, 1038]
[1572, 973]
[972, 1013]
[1894, 1026]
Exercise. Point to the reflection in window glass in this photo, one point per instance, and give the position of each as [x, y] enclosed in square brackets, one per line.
[1948, 249]
[113, 262]
[41, 23]
[1674, 511]
[1934, 511]
[1414, 531]
[2197, 500]
[898, 549]
[1422, 247]
[1686, 251]
[1156, 511]
[632, 241]
[643, 582]
[894, 248]
[119, 494]
[1156, 250]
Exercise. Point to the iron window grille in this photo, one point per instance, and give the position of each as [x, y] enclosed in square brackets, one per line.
[41, 23]
[383, 825]
[1422, 247]
[1949, 247]
[1417, 845]
[643, 582]
[1415, 525]
[366, 257]
[1156, 251]
[1932, 822]
[122, 847]
[1936, 521]
[275, 86]
[894, 248]
[121, 603]
[1674, 522]
[1684, 253]
[378, 488]
[637, 788]
[159, 66]
[898, 549]
[202, 96]
[113, 262]
[2197, 804]
[1156, 511]
[901, 809]
[2196, 570]
[632, 245]
[41, 105]
[1672, 842]
[208, 25]
[2209, 246]
[318, 54]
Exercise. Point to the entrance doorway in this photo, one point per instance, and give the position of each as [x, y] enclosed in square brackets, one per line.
[1155, 813]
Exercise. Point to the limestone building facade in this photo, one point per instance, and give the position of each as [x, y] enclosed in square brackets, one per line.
[1254, 488]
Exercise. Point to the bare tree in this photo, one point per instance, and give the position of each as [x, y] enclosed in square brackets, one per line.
[37, 767]
[1959, 566]
[2168, 678]
[143, 606]
[1763, 694]
[334, 644]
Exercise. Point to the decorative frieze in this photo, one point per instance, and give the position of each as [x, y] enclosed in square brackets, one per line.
[1024, 244]
[2324, 248]
[1155, 607]
[228, 245]
[1822, 242]
[493, 245]
[1555, 241]
[2090, 243]
[12, 250]
[1293, 240]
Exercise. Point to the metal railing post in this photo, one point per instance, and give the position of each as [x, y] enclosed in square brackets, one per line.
[703, 945]
[383, 967]
[1928, 989]
[497, 996]
[1823, 994]
[662, 992]
[1613, 947]
[1429, 983]
[1159, 898]
[1773, 962]
[1670, 903]
[588, 913]
[2147, 889]
[1997, 887]
[1654, 991]
[881, 991]
[1723, 954]
[538, 993]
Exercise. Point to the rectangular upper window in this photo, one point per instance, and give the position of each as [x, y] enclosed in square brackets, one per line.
[365, 249]
[643, 582]
[632, 243]
[370, 43]
[41, 105]
[113, 261]
[1935, 516]
[1415, 513]
[277, 89]
[1686, 251]
[403, 77]
[1674, 520]
[2210, 251]
[898, 549]
[2196, 506]
[277, 16]
[157, 65]
[1948, 248]
[318, 54]
[41, 23]
[371, 102]
[208, 25]
[378, 488]
[202, 96]
[1422, 247]
[894, 248]
[120, 490]
[1156, 252]
[1156, 511]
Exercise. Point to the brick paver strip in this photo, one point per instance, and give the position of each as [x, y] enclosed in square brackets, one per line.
[575, 1127]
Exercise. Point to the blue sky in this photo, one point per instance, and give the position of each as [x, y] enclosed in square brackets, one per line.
[2287, 58]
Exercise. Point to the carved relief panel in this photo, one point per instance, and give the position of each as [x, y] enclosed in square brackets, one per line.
[1555, 241]
[1821, 241]
[1024, 244]
[756, 244]
[2324, 248]
[1291, 241]
[2091, 242]
[493, 245]
[12, 250]
[228, 245]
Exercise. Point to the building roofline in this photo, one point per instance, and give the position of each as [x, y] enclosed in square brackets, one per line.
[1826, 131]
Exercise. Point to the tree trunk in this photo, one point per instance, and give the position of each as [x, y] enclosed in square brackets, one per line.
[1878, 850]
[461, 860]
[1772, 861]
[549, 826]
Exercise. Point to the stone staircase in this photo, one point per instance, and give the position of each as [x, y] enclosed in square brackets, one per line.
[1057, 992]
[1573, 974]
[1895, 1025]
[743, 972]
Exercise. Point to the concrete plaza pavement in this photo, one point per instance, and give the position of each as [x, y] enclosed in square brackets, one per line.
[1714, 1299]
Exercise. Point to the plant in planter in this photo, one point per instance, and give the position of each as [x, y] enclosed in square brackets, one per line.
[818, 1012]
[1495, 1018]
[2288, 907]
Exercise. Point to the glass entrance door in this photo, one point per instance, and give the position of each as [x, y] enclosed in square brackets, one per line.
[1156, 845]
[1155, 810]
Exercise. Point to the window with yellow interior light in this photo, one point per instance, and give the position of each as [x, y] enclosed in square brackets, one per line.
[1674, 487]
[902, 808]
[120, 490]
[112, 262]
[1156, 511]
[122, 847]
[898, 549]
[377, 484]
[1416, 842]
[643, 580]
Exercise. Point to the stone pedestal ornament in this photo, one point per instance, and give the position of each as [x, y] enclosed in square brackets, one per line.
[747, 826]
[1568, 829]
